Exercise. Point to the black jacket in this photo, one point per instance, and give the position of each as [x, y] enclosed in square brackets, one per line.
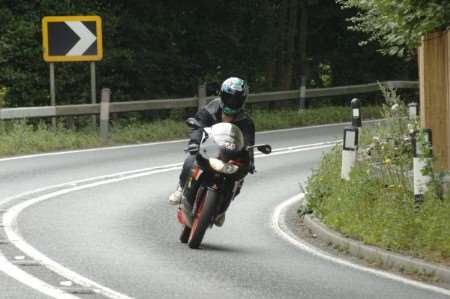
[212, 114]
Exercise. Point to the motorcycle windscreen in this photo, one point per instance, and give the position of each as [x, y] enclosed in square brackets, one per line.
[223, 138]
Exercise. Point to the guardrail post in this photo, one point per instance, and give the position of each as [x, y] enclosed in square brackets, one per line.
[104, 114]
[201, 96]
[302, 95]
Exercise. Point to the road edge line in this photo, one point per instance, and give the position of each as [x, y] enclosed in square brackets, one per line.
[280, 227]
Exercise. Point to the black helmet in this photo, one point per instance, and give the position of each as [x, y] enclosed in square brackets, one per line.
[233, 94]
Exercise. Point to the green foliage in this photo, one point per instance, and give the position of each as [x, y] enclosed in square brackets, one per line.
[2, 96]
[398, 25]
[155, 49]
[377, 204]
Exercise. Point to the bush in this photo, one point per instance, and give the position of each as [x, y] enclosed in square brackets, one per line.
[2, 96]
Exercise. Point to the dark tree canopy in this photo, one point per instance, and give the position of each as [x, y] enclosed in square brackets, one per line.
[165, 48]
[398, 25]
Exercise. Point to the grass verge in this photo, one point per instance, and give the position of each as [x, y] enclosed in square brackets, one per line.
[377, 204]
[20, 137]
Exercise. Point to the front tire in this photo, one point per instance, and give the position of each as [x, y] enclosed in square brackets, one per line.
[203, 219]
[184, 237]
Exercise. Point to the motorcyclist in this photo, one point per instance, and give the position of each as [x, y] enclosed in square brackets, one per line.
[228, 107]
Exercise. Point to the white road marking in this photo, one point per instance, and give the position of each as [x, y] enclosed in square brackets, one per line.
[87, 180]
[317, 126]
[282, 230]
[98, 149]
[13, 234]
[31, 281]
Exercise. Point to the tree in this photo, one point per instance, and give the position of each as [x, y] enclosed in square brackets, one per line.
[164, 48]
[398, 25]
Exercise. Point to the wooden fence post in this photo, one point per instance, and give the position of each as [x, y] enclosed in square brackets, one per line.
[201, 96]
[434, 71]
[104, 114]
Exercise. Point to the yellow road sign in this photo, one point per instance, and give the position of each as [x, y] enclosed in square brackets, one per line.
[72, 38]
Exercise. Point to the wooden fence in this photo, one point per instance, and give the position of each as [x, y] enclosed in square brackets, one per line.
[434, 70]
[159, 104]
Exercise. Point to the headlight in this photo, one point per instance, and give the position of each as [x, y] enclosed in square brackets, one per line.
[219, 166]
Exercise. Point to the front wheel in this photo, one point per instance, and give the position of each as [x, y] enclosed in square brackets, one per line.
[184, 237]
[204, 216]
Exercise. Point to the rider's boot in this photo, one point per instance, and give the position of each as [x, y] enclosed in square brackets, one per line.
[175, 197]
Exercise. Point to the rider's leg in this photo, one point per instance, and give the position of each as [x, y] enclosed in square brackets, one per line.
[175, 197]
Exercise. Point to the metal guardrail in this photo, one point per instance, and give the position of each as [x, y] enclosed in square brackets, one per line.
[159, 104]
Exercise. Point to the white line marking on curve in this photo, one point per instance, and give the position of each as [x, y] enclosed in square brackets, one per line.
[13, 234]
[282, 230]
[29, 280]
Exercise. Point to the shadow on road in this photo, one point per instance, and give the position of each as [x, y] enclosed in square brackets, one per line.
[222, 248]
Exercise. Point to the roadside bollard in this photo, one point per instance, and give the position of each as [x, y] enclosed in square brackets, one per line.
[412, 111]
[201, 96]
[349, 150]
[104, 114]
[420, 161]
[356, 113]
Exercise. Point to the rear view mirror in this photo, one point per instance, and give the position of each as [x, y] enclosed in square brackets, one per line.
[265, 149]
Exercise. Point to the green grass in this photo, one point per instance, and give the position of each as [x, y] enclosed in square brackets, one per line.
[288, 118]
[379, 211]
[377, 204]
[19, 137]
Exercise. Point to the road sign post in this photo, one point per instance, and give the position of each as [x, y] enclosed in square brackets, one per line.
[52, 90]
[93, 88]
[70, 39]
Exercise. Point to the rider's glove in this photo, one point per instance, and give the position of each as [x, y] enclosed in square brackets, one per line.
[192, 148]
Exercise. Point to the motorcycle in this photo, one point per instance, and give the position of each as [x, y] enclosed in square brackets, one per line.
[212, 186]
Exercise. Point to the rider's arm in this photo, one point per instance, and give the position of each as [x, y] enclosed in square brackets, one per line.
[249, 136]
[205, 119]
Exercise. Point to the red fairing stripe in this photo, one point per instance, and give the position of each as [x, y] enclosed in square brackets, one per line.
[236, 162]
[180, 217]
[197, 173]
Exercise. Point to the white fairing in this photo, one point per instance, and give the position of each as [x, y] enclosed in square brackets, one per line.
[221, 137]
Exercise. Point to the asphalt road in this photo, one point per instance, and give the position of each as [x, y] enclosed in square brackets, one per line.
[123, 235]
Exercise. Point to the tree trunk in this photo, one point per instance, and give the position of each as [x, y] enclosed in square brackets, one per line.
[291, 35]
[283, 26]
[302, 71]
